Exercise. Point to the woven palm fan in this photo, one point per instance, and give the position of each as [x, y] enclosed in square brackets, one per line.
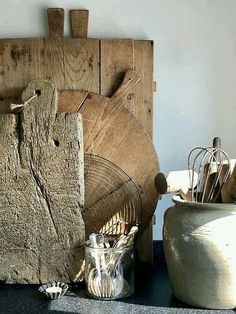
[112, 200]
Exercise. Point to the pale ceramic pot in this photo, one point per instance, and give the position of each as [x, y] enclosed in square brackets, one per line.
[200, 250]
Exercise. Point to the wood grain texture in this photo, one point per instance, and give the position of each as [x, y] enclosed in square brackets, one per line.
[142, 98]
[68, 63]
[53, 61]
[116, 57]
[113, 133]
[79, 23]
[56, 22]
[71, 101]
[81, 62]
[111, 197]
[141, 105]
[20, 62]
[41, 191]
[92, 65]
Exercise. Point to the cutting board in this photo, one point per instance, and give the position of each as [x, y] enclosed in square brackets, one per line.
[42, 231]
[112, 132]
[80, 63]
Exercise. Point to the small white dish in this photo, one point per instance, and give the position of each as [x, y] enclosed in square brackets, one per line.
[54, 290]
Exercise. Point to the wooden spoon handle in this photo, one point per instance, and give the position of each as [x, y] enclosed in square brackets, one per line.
[130, 80]
[229, 188]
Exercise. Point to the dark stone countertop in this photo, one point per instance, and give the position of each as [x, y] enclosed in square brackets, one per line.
[152, 295]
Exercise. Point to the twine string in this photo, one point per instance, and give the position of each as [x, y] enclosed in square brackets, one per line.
[21, 106]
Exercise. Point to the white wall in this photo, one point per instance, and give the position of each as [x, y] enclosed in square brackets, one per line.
[195, 64]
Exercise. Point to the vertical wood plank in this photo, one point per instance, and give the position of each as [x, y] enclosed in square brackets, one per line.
[145, 245]
[142, 107]
[142, 102]
[79, 23]
[53, 61]
[53, 56]
[81, 60]
[116, 57]
[20, 62]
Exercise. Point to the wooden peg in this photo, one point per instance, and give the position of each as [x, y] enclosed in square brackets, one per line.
[154, 86]
[56, 22]
[79, 23]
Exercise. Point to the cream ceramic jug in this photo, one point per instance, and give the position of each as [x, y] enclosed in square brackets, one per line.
[200, 250]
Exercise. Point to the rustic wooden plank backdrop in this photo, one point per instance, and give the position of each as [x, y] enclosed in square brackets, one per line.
[95, 65]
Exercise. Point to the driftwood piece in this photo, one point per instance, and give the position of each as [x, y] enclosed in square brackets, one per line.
[41, 191]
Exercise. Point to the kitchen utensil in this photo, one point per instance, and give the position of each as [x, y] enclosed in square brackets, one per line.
[124, 240]
[212, 174]
[121, 242]
[106, 287]
[111, 196]
[104, 266]
[102, 281]
[208, 163]
[118, 279]
[176, 182]
[229, 188]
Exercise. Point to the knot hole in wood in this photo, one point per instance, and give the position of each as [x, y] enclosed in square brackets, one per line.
[56, 143]
[38, 92]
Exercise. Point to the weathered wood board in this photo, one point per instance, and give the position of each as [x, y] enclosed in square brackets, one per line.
[118, 55]
[93, 65]
[41, 191]
[112, 132]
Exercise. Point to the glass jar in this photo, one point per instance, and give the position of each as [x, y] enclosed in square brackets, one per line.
[109, 272]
